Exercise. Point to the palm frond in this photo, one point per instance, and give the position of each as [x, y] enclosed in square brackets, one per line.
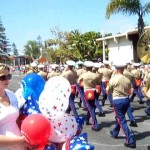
[129, 7]
[146, 8]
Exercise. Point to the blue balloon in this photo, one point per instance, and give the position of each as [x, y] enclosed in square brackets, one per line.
[33, 84]
[80, 122]
[80, 142]
[50, 147]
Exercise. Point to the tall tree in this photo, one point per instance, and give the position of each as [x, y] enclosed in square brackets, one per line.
[86, 44]
[32, 49]
[15, 51]
[4, 42]
[130, 7]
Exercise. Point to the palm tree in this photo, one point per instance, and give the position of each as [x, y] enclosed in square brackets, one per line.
[130, 7]
[32, 49]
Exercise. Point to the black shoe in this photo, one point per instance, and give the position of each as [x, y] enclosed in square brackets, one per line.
[87, 123]
[96, 129]
[133, 124]
[103, 104]
[85, 109]
[147, 113]
[141, 102]
[101, 114]
[132, 145]
[111, 133]
[148, 147]
[79, 104]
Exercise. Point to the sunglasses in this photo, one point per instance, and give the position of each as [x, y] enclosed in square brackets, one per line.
[5, 77]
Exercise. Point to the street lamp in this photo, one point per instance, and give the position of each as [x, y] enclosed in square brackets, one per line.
[103, 38]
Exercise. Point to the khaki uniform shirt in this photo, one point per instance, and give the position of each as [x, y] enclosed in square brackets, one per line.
[70, 75]
[129, 75]
[106, 73]
[80, 71]
[146, 76]
[29, 71]
[119, 86]
[136, 73]
[90, 80]
[52, 74]
[43, 74]
[148, 94]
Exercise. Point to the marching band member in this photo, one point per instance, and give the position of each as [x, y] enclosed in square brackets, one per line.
[119, 86]
[71, 75]
[90, 80]
[106, 73]
[146, 91]
[98, 90]
[41, 72]
[54, 72]
[129, 75]
[137, 86]
[33, 68]
[80, 70]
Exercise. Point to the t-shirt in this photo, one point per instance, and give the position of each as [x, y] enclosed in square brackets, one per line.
[8, 117]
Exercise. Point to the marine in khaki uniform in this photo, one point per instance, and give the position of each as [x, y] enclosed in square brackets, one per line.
[95, 68]
[41, 72]
[80, 70]
[71, 75]
[80, 90]
[106, 73]
[119, 86]
[33, 68]
[90, 80]
[146, 91]
[137, 86]
[129, 75]
[147, 74]
[54, 72]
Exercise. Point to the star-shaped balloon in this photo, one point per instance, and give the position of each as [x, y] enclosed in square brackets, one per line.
[80, 123]
[50, 147]
[79, 142]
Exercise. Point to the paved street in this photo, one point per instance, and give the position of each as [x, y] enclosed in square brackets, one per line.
[102, 139]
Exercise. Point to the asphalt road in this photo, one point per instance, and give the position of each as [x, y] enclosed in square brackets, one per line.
[102, 139]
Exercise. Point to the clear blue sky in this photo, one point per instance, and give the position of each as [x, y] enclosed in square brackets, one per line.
[27, 19]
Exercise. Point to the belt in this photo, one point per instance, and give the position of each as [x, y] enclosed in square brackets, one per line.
[90, 89]
[115, 98]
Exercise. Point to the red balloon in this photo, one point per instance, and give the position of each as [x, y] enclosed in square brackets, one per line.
[36, 128]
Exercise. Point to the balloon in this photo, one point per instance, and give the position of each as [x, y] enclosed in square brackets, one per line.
[58, 84]
[37, 129]
[79, 142]
[20, 98]
[32, 84]
[80, 122]
[52, 102]
[63, 127]
[55, 96]
[31, 106]
[50, 147]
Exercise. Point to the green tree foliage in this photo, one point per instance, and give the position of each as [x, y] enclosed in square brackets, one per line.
[4, 42]
[74, 45]
[130, 7]
[32, 49]
[67, 45]
[86, 44]
[15, 51]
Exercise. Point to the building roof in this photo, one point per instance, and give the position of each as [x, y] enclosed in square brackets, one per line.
[130, 32]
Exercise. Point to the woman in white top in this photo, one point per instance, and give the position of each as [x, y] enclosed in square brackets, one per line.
[10, 135]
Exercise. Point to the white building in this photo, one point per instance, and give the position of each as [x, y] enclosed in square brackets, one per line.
[122, 47]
